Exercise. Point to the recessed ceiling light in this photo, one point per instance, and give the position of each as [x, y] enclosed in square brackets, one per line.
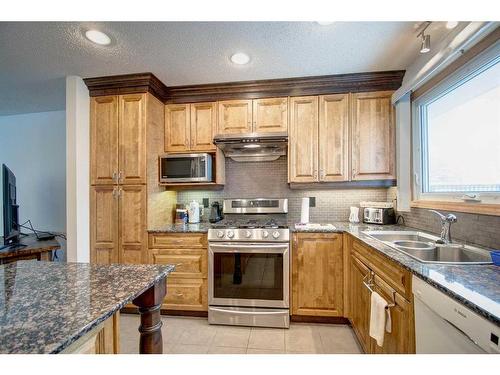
[98, 37]
[240, 58]
[324, 23]
[451, 24]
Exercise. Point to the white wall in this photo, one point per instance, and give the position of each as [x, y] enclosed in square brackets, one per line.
[77, 169]
[33, 147]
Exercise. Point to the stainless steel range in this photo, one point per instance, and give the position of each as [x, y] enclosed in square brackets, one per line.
[248, 264]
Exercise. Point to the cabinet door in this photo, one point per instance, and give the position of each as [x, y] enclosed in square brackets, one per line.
[203, 123]
[373, 136]
[303, 139]
[132, 219]
[334, 137]
[401, 338]
[104, 224]
[177, 128]
[104, 140]
[132, 133]
[235, 117]
[270, 115]
[359, 302]
[317, 274]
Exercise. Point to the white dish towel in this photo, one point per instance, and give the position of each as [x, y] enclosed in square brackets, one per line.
[380, 318]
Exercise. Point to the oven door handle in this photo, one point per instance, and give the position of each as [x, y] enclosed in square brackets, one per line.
[250, 248]
[242, 312]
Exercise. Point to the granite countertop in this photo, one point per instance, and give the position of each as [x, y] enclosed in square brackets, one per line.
[33, 246]
[46, 306]
[182, 228]
[474, 286]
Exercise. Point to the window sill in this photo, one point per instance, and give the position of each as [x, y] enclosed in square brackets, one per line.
[471, 208]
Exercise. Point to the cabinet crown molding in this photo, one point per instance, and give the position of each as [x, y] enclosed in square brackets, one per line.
[298, 86]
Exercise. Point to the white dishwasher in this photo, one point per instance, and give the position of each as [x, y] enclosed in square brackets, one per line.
[442, 325]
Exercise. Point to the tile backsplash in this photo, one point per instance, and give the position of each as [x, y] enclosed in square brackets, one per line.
[478, 229]
[269, 180]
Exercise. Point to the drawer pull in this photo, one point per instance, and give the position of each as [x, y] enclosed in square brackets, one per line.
[179, 294]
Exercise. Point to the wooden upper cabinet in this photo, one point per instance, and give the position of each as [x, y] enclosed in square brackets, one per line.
[234, 117]
[104, 140]
[177, 127]
[132, 219]
[334, 137]
[373, 136]
[317, 274]
[270, 115]
[303, 139]
[203, 124]
[132, 135]
[103, 224]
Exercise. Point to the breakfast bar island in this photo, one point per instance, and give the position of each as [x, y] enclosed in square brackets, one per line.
[55, 307]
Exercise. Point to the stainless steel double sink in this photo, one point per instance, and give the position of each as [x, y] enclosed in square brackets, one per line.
[426, 248]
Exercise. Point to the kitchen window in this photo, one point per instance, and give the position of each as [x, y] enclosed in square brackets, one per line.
[456, 140]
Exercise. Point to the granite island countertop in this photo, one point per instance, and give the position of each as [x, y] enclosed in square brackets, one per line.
[46, 306]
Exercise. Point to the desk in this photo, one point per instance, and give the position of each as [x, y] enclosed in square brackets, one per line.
[34, 249]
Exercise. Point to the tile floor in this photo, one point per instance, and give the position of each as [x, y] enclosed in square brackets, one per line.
[183, 335]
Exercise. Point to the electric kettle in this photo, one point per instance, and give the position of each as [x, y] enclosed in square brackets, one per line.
[215, 213]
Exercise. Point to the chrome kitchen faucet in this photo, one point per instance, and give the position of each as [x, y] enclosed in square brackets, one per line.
[446, 222]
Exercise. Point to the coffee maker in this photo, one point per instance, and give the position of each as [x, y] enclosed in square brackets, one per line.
[215, 213]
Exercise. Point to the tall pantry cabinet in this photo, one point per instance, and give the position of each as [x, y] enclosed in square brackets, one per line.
[123, 128]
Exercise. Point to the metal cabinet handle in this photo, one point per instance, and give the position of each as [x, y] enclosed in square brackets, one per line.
[179, 294]
[114, 176]
[114, 193]
[321, 174]
[120, 176]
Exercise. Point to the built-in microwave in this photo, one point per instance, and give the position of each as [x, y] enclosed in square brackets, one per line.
[186, 168]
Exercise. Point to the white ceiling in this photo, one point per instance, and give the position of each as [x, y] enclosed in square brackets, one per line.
[35, 57]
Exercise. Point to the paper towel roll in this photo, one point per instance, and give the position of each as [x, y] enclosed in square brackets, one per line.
[304, 212]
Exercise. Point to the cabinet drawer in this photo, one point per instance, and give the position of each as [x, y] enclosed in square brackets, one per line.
[396, 276]
[189, 263]
[176, 240]
[186, 294]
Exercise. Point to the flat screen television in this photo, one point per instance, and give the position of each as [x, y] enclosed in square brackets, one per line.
[10, 209]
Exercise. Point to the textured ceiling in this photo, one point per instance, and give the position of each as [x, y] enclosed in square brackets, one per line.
[35, 57]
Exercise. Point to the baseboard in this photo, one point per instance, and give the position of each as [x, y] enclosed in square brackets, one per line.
[135, 310]
[319, 319]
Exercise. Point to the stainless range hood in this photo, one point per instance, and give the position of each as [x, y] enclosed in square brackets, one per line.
[253, 146]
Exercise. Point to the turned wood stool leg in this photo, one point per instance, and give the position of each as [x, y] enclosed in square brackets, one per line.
[149, 304]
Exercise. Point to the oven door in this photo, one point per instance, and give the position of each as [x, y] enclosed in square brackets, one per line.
[186, 168]
[248, 274]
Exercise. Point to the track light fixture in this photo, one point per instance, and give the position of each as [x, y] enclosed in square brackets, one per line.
[426, 39]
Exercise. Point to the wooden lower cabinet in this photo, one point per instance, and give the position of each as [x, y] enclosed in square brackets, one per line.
[317, 274]
[187, 286]
[104, 339]
[186, 294]
[401, 339]
[359, 302]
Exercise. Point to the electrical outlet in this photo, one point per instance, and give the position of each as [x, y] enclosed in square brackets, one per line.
[205, 202]
[312, 201]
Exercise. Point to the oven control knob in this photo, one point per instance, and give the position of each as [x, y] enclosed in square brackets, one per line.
[248, 234]
[230, 233]
[276, 234]
[220, 234]
[265, 234]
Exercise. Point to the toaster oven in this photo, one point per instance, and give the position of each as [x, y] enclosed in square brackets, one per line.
[372, 215]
